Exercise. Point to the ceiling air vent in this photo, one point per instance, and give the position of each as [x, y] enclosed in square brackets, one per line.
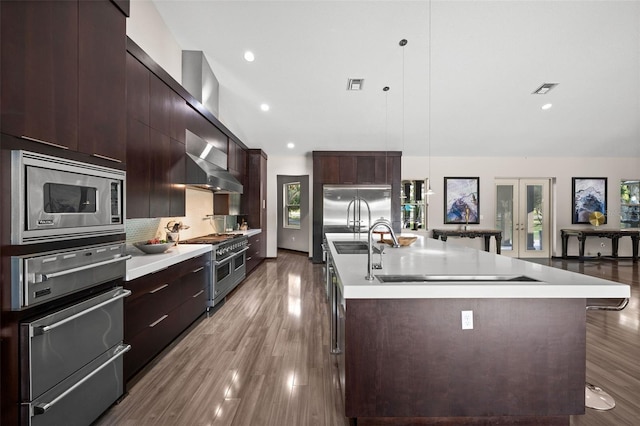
[355, 83]
[542, 90]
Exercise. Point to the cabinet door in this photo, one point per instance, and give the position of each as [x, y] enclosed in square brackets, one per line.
[366, 167]
[102, 80]
[348, 172]
[137, 90]
[138, 169]
[159, 195]
[177, 177]
[39, 67]
[327, 169]
[160, 105]
[178, 118]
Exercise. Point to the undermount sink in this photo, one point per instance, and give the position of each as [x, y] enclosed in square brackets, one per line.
[450, 278]
[353, 247]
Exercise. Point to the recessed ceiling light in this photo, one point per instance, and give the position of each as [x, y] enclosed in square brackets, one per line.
[547, 106]
[291, 145]
[264, 107]
[542, 90]
[249, 56]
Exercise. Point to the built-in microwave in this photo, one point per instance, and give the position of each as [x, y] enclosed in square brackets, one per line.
[56, 198]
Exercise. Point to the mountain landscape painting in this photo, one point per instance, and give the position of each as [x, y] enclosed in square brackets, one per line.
[589, 195]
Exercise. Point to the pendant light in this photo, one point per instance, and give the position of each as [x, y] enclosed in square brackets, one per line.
[429, 190]
[402, 44]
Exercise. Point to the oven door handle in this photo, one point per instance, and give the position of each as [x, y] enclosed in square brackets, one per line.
[227, 259]
[42, 408]
[46, 277]
[46, 328]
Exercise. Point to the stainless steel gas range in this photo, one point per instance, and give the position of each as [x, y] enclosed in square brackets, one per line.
[228, 262]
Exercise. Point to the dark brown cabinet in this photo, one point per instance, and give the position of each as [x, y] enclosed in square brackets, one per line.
[255, 204]
[138, 177]
[63, 74]
[162, 305]
[354, 168]
[237, 161]
[102, 80]
[39, 66]
[255, 254]
[155, 145]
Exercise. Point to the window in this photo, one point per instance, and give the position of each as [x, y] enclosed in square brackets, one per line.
[291, 197]
[630, 204]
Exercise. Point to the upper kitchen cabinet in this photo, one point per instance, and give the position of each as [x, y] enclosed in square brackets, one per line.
[63, 74]
[39, 66]
[237, 161]
[155, 159]
[102, 80]
[167, 110]
[137, 90]
[255, 194]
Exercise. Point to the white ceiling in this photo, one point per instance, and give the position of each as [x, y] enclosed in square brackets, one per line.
[486, 59]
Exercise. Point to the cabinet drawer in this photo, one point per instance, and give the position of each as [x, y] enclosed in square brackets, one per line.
[149, 283]
[143, 311]
[148, 343]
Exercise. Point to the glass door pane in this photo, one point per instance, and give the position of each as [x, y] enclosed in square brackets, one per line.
[504, 215]
[534, 217]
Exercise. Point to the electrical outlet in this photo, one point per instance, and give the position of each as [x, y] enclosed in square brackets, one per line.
[467, 320]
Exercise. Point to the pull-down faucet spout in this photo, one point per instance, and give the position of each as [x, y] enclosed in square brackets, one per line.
[380, 222]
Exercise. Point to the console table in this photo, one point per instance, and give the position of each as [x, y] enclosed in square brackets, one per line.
[613, 234]
[443, 234]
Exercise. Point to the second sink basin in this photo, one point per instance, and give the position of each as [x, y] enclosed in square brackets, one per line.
[450, 278]
[351, 247]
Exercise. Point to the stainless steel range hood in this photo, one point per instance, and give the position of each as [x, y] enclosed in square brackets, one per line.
[206, 167]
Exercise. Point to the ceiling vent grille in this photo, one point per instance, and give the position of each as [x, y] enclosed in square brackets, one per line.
[355, 83]
[544, 89]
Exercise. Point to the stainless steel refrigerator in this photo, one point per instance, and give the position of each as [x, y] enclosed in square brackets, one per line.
[353, 208]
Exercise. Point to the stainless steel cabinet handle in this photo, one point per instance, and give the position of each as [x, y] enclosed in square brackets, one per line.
[198, 294]
[43, 407]
[46, 277]
[158, 321]
[44, 142]
[159, 288]
[46, 328]
[198, 270]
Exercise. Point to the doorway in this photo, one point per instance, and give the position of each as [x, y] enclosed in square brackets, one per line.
[523, 209]
[293, 212]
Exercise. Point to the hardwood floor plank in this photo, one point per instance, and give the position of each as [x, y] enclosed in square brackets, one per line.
[263, 358]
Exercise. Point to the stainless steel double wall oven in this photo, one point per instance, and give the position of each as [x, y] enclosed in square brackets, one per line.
[67, 265]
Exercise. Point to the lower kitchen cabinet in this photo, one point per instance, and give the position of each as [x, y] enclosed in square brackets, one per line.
[161, 306]
[256, 252]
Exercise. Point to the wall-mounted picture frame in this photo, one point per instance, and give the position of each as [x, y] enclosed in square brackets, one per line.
[462, 200]
[589, 196]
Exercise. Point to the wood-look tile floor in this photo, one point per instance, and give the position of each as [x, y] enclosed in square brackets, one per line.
[263, 358]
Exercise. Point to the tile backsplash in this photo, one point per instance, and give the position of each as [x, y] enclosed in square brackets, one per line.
[199, 208]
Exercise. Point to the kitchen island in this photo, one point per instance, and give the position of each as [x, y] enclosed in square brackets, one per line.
[406, 359]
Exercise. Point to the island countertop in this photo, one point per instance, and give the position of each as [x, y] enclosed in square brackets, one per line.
[427, 256]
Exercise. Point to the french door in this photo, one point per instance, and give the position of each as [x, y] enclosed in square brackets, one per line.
[523, 209]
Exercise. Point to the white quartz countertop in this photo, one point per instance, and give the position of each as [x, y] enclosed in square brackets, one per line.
[248, 233]
[142, 264]
[427, 256]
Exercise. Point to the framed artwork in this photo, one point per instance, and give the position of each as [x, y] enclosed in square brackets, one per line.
[462, 200]
[589, 195]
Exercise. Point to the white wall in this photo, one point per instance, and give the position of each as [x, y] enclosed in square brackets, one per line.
[300, 165]
[147, 29]
[561, 169]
